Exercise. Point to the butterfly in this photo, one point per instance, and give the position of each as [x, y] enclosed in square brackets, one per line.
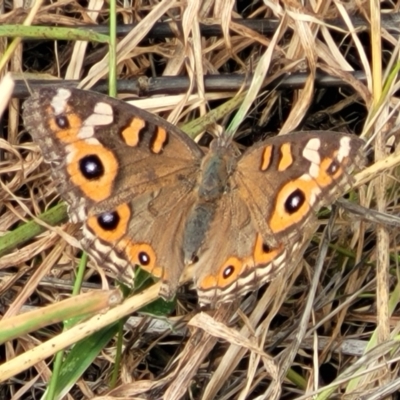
[148, 195]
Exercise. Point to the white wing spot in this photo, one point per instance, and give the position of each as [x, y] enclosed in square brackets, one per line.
[102, 115]
[86, 132]
[311, 154]
[305, 177]
[344, 149]
[59, 101]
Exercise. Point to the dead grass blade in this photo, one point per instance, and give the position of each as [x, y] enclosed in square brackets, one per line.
[128, 44]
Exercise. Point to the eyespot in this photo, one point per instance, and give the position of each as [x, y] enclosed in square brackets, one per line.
[110, 226]
[91, 167]
[266, 248]
[62, 121]
[228, 271]
[263, 253]
[333, 168]
[294, 201]
[109, 220]
[144, 258]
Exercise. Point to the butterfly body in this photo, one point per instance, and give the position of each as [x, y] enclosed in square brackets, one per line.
[148, 195]
[213, 182]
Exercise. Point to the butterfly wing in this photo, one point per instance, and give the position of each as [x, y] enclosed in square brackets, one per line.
[121, 170]
[234, 257]
[299, 173]
[276, 188]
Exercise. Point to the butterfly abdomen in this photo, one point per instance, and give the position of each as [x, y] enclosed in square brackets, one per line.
[213, 182]
[196, 228]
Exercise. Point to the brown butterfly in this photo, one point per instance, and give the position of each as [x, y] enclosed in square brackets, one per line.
[148, 195]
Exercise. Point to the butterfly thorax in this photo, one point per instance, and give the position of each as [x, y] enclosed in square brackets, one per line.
[216, 168]
[213, 181]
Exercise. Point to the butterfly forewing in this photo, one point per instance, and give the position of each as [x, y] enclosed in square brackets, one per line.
[290, 177]
[102, 149]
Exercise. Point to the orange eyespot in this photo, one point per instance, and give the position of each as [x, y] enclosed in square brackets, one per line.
[332, 169]
[263, 254]
[294, 201]
[141, 254]
[62, 121]
[228, 271]
[144, 258]
[112, 225]
[66, 125]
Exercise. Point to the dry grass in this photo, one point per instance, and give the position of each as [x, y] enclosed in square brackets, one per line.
[329, 328]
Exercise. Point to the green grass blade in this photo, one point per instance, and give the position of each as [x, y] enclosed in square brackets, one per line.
[29, 230]
[51, 33]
